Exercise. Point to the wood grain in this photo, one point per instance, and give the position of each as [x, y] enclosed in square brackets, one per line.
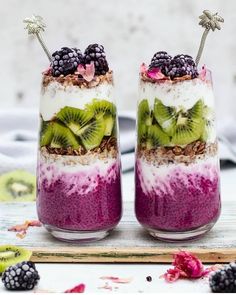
[127, 243]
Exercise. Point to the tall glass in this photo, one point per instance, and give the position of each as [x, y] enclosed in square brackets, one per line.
[79, 181]
[177, 166]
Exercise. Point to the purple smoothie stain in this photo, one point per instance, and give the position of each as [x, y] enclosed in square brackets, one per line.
[179, 202]
[79, 200]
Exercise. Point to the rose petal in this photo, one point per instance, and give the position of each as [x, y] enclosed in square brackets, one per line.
[77, 289]
[203, 73]
[88, 72]
[155, 74]
[143, 68]
[172, 275]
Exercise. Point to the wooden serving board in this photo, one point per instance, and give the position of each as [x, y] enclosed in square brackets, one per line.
[127, 243]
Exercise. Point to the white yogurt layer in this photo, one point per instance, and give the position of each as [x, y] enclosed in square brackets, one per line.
[152, 177]
[55, 96]
[181, 94]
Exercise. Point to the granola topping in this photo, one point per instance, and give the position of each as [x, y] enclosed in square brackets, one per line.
[76, 80]
[197, 150]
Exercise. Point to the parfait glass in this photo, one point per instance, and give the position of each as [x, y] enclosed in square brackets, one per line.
[79, 170]
[177, 175]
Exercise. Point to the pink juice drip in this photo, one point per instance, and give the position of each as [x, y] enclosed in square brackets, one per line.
[179, 202]
[81, 200]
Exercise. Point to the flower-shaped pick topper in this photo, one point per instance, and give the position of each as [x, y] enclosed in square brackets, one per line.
[209, 21]
[34, 26]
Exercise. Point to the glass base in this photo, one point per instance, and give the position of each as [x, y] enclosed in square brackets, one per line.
[76, 236]
[171, 236]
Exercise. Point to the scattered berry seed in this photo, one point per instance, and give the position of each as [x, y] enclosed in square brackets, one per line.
[149, 278]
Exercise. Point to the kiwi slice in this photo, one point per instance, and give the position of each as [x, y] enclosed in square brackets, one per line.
[166, 116]
[63, 137]
[11, 255]
[156, 137]
[17, 186]
[74, 118]
[189, 125]
[46, 133]
[99, 108]
[209, 132]
[92, 134]
[109, 124]
[144, 119]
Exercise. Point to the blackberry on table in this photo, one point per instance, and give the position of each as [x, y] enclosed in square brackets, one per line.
[22, 276]
[181, 65]
[224, 280]
[66, 61]
[161, 60]
[95, 53]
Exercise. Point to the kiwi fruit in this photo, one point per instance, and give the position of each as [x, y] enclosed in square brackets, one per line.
[11, 255]
[165, 116]
[17, 186]
[144, 119]
[109, 124]
[189, 125]
[156, 137]
[92, 134]
[99, 108]
[209, 131]
[63, 137]
[74, 118]
[46, 133]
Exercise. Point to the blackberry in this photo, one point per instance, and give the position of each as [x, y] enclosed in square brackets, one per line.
[161, 60]
[96, 53]
[224, 280]
[181, 65]
[65, 61]
[22, 276]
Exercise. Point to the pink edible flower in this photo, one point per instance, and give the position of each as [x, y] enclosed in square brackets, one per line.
[87, 72]
[143, 68]
[77, 289]
[203, 73]
[186, 265]
[155, 74]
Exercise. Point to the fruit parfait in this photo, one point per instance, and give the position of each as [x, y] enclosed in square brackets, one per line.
[177, 166]
[79, 185]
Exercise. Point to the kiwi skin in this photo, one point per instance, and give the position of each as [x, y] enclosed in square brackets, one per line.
[11, 255]
[17, 186]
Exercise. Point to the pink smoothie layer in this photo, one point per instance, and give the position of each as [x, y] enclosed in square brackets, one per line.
[180, 201]
[79, 200]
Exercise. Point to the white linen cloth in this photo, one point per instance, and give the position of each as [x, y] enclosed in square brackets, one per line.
[19, 133]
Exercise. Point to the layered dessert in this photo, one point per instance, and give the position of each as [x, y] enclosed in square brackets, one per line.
[177, 166]
[79, 185]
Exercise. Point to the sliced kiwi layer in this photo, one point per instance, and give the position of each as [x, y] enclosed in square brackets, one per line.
[11, 255]
[209, 130]
[74, 127]
[167, 126]
[17, 186]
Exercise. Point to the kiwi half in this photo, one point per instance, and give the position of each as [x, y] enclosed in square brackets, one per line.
[17, 186]
[144, 120]
[63, 137]
[92, 134]
[156, 137]
[74, 118]
[189, 125]
[10, 255]
[166, 116]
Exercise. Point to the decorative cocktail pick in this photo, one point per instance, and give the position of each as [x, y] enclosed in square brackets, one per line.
[209, 21]
[35, 26]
